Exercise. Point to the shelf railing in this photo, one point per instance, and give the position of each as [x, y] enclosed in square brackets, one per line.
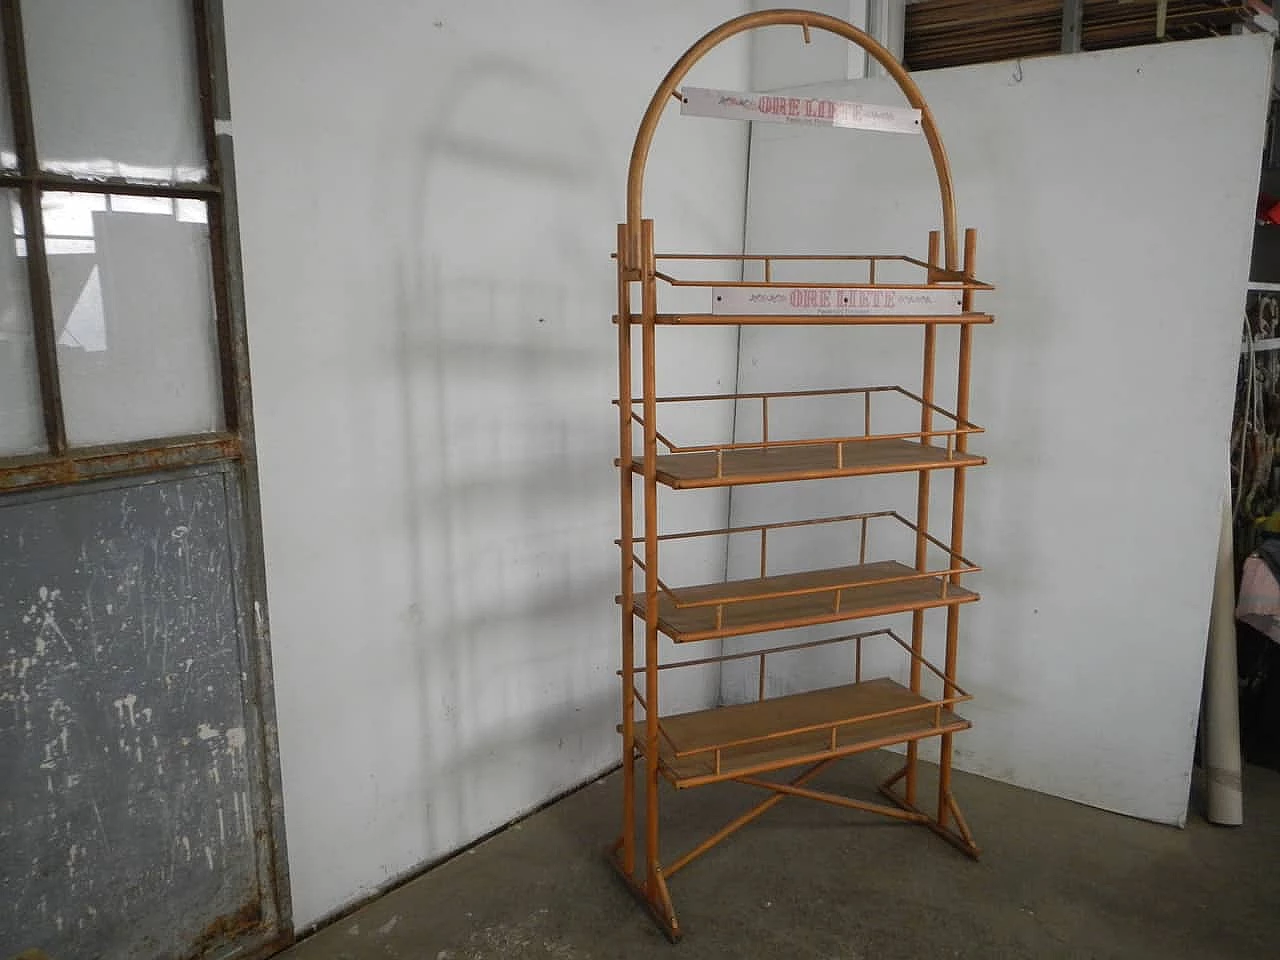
[959, 427]
[934, 275]
[948, 574]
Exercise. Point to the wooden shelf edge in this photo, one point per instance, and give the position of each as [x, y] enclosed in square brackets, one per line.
[691, 783]
[667, 479]
[817, 460]
[884, 591]
[815, 621]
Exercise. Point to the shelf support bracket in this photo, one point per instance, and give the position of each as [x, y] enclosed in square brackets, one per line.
[733, 826]
[960, 838]
[791, 790]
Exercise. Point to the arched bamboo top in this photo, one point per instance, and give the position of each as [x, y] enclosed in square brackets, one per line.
[807, 20]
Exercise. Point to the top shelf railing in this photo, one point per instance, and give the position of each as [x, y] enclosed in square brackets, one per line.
[934, 276]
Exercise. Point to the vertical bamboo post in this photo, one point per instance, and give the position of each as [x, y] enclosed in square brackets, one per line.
[922, 521]
[957, 525]
[649, 311]
[626, 538]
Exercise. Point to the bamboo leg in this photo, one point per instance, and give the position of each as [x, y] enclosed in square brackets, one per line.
[660, 910]
[628, 840]
[949, 670]
[913, 758]
[957, 532]
[944, 780]
[664, 903]
[649, 308]
[957, 537]
[961, 823]
[922, 527]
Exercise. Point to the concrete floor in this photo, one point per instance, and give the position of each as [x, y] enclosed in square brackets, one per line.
[813, 882]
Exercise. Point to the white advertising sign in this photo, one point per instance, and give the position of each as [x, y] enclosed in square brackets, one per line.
[833, 301]
[776, 108]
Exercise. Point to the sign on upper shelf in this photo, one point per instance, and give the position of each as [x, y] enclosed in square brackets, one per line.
[833, 302]
[776, 108]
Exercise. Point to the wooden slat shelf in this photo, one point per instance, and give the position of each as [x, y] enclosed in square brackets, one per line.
[767, 725]
[717, 319]
[684, 471]
[862, 448]
[862, 587]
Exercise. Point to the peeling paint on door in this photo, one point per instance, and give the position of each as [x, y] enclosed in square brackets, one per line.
[126, 822]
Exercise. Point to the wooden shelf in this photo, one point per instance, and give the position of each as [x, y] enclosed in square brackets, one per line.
[785, 731]
[872, 442]
[816, 461]
[863, 590]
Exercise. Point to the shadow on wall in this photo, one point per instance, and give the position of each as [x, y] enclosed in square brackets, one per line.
[505, 357]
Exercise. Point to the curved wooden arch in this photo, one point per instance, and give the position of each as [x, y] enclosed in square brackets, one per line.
[787, 17]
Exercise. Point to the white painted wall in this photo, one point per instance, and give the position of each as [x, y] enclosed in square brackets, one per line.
[1113, 194]
[428, 193]
[780, 61]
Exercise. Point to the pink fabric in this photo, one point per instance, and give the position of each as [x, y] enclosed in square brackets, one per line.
[1259, 601]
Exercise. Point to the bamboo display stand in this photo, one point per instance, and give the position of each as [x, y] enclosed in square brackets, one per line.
[744, 742]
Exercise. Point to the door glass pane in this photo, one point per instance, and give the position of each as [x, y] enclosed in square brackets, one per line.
[133, 312]
[21, 423]
[113, 88]
[8, 150]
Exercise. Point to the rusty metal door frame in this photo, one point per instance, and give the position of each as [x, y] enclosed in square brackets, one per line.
[230, 451]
